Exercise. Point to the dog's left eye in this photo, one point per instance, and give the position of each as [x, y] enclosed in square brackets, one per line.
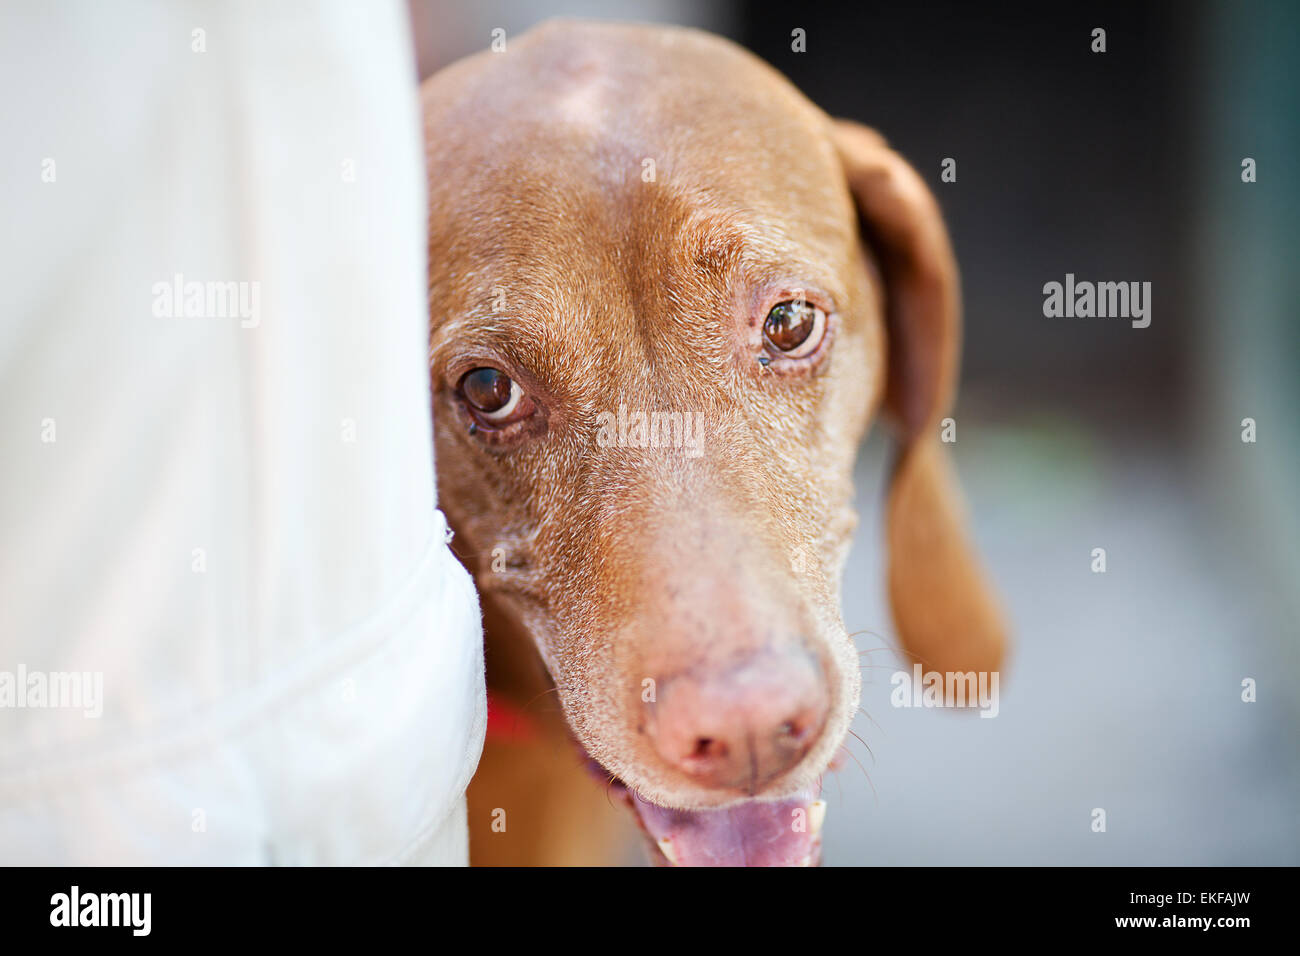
[795, 328]
[492, 396]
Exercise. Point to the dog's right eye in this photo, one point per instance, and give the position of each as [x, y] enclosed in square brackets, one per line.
[795, 328]
[492, 396]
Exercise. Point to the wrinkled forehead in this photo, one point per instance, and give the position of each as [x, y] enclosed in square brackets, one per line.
[564, 179]
[613, 129]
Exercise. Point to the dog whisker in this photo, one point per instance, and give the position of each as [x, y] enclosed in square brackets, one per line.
[863, 769]
[549, 690]
[609, 785]
[866, 630]
[865, 744]
[863, 712]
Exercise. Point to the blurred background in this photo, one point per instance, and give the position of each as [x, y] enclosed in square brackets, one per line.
[1125, 688]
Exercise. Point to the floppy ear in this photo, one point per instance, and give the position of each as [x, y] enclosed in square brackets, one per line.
[946, 614]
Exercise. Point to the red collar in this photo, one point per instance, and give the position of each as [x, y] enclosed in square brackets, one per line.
[507, 721]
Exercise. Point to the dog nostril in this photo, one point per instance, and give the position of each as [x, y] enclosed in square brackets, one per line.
[708, 748]
[795, 732]
[790, 729]
[740, 728]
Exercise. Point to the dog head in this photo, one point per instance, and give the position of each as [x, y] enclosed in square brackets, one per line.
[667, 296]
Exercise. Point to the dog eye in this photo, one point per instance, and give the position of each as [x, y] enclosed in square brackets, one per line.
[795, 328]
[491, 394]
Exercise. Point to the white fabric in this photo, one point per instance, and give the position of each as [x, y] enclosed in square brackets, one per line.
[231, 518]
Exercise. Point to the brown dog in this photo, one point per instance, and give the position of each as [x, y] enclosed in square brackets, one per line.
[668, 294]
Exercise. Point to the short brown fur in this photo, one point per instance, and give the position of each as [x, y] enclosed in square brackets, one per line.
[553, 259]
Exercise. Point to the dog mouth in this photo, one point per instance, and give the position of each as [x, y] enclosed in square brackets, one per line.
[783, 832]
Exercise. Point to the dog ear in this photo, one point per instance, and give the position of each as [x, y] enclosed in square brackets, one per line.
[947, 616]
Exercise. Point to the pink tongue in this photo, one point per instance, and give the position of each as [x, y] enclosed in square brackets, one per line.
[753, 833]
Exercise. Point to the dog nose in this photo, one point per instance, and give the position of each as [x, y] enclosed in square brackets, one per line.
[743, 726]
